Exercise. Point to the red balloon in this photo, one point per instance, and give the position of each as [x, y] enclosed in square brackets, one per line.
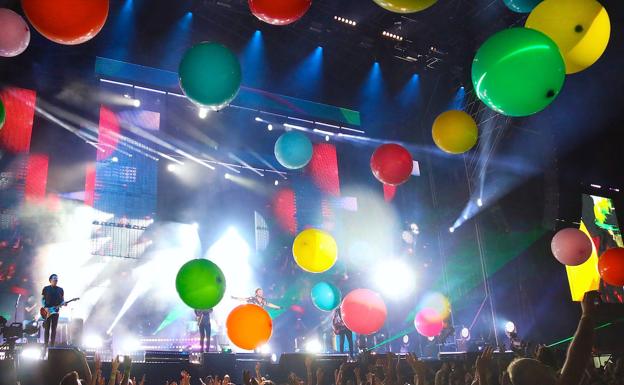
[392, 164]
[428, 322]
[279, 12]
[67, 21]
[571, 246]
[363, 311]
[611, 266]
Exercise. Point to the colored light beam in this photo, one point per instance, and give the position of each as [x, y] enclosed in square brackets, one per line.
[605, 325]
[459, 99]
[309, 74]
[253, 61]
[178, 38]
[410, 94]
[177, 312]
[123, 29]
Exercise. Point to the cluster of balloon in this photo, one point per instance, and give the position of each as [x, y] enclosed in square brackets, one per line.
[429, 322]
[2, 114]
[611, 266]
[455, 132]
[392, 164]
[405, 6]
[363, 311]
[571, 247]
[67, 21]
[325, 296]
[200, 284]
[315, 251]
[293, 150]
[581, 29]
[15, 34]
[249, 326]
[210, 75]
[279, 12]
[521, 6]
[518, 72]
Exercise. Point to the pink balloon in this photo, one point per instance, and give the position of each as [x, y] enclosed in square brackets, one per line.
[363, 311]
[428, 322]
[15, 34]
[571, 246]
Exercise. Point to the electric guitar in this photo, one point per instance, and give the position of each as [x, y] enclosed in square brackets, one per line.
[46, 312]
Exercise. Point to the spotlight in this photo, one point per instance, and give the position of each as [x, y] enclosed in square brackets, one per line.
[227, 176]
[92, 342]
[136, 103]
[31, 353]
[345, 21]
[510, 327]
[451, 229]
[114, 159]
[129, 345]
[258, 119]
[273, 358]
[313, 346]
[406, 339]
[265, 349]
[430, 339]
[126, 96]
[479, 202]
[203, 113]
[276, 182]
[392, 36]
[327, 138]
[465, 333]
[172, 167]
[270, 127]
[394, 278]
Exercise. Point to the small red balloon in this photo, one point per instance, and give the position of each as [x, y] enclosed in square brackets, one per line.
[611, 266]
[363, 311]
[392, 164]
[279, 12]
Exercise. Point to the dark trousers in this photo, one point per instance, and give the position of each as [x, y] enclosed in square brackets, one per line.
[50, 329]
[204, 331]
[341, 338]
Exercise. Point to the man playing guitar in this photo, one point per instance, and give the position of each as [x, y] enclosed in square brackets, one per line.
[52, 297]
[341, 330]
[203, 323]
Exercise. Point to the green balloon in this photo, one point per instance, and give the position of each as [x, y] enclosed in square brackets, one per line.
[200, 284]
[2, 114]
[518, 72]
[210, 75]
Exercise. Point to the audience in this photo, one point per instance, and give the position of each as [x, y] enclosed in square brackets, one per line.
[488, 369]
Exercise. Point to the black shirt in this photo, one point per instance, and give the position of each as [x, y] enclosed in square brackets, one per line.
[52, 296]
[204, 314]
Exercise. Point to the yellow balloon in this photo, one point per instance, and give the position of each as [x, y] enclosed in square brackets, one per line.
[455, 132]
[315, 251]
[581, 29]
[405, 6]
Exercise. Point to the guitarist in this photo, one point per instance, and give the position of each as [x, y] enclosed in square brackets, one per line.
[341, 330]
[203, 322]
[52, 296]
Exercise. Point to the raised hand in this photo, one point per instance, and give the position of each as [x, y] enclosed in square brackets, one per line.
[483, 365]
[319, 376]
[142, 380]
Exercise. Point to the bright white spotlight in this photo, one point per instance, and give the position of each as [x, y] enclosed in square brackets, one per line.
[276, 182]
[203, 113]
[114, 159]
[479, 202]
[394, 278]
[128, 345]
[92, 341]
[465, 333]
[172, 167]
[31, 353]
[136, 103]
[510, 327]
[265, 349]
[451, 229]
[313, 346]
[431, 339]
[227, 176]
[406, 339]
[270, 127]
[273, 358]
[327, 138]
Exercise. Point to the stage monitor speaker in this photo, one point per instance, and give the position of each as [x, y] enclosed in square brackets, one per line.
[219, 364]
[64, 360]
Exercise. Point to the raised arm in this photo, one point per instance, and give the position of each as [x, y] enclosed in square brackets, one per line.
[273, 306]
[579, 351]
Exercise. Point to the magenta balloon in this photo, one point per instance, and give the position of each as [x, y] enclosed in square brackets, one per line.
[429, 322]
[15, 34]
[363, 311]
[571, 247]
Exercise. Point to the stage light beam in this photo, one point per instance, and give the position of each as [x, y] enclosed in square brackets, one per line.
[395, 279]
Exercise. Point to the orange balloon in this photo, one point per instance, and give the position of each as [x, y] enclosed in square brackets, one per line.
[67, 21]
[249, 326]
[611, 266]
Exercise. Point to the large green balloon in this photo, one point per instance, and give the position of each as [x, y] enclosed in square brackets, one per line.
[405, 6]
[2, 114]
[210, 75]
[518, 72]
[200, 284]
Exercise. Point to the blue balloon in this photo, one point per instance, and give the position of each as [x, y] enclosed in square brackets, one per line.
[522, 6]
[293, 150]
[325, 296]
